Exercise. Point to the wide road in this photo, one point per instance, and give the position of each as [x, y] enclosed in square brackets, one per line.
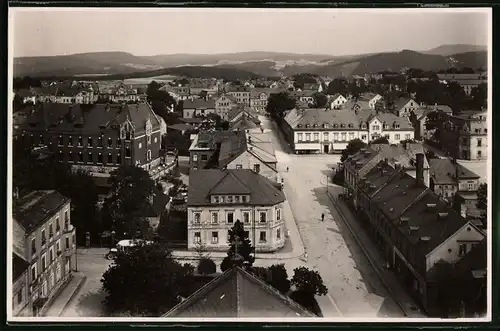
[352, 283]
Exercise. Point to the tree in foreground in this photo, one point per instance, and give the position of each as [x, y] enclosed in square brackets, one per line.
[145, 281]
[307, 284]
[206, 266]
[320, 100]
[275, 275]
[129, 203]
[278, 103]
[435, 122]
[352, 148]
[239, 245]
[382, 140]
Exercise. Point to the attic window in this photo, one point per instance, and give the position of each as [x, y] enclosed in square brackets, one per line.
[335, 125]
[363, 126]
[404, 192]
[372, 186]
[391, 209]
[342, 125]
[426, 238]
[315, 125]
[413, 228]
[403, 220]
[325, 125]
[299, 126]
[350, 125]
[442, 215]
[386, 126]
[396, 126]
[431, 205]
[307, 125]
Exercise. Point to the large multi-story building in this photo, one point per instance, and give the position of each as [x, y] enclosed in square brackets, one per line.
[259, 98]
[205, 146]
[417, 231]
[50, 239]
[99, 137]
[320, 130]
[197, 107]
[241, 94]
[21, 300]
[467, 81]
[224, 104]
[466, 136]
[119, 93]
[218, 198]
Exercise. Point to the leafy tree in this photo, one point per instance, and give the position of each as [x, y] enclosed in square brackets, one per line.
[206, 266]
[145, 281]
[320, 100]
[482, 202]
[338, 85]
[275, 275]
[435, 121]
[430, 154]
[479, 96]
[354, 90]
[239, 244]
[129, 203]
[380, 140]
[278, 103]
[301, 79]
[308, 281]
[352, 148]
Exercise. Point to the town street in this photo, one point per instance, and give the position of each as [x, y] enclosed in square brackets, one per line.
[352, 283]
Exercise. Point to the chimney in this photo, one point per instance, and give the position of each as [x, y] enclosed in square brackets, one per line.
[71, 112]
[420, 170]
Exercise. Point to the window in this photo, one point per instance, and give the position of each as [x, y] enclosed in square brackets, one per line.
[239, 166]
[343, 134]
[230, 217]
[196, 218]
[247, 234]
[70, 156]
[256, 168]
[89, 141]
[215, 217]
[127, 135]
[351, 135]
[316, 137]
[156, 140]
[33, 272]
[263, 217]
[67, 243]
[300, 136]
[396, 136]
[221, 199]
[262, 236]
[204, 157]
[215, 237]
[19, 296]
[127, 151]
[244, 199]
[195, 157]
[118, 142]
[197, 237]
[60, 140]
[44, 238]
[407, 136]
[44, 262]
[470, 186]
[479, 143]
[325, 136]
[479, 154]
[41, 139]
[33, 246]
[363, 137]
[462, 249]
[376, 127]
[246, 217]
[229, 199]
[308, 137]
[149, 155]
[99, 142]
[70, 141]
[110, 158]
[51, 255]
[99, 158]
[89, 158]
[278, 214]
[335, 136]
[118, 158]
[140, 145]
[278, 234]
[51, 231]
[237, 199]
[80, 157]
[58, 247]
[58, 227]
[110, 142]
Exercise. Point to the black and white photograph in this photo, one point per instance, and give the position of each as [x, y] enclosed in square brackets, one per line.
[246, 164]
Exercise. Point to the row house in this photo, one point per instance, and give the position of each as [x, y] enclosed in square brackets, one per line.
[224, 104]
[120, 93]
[319, 130]
[219, 198]
[99, 137]
[241, 94]
[416, 231]
[402, 155]
[50, 239]
[197, 107]
[205, 146]
[466, 136]
[259, 98]
[454, 183]
[252, 150]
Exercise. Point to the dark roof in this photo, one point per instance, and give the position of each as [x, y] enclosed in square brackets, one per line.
[231, 148]
[160, 200]
[93, 118]
[444, 171]
[214, 137]
[192, 120]
[401, 102]
[245, 122]
[199, 104]
[37, 206]
[203, 183]
[237, 293]
[180, 127]
[25, 93]
[476, 259]
[19, 266]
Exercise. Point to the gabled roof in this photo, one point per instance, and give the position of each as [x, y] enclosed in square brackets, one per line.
[401, 102]
[237, 293]
[199, 104]
[444, 171]
[204, 182]
[231, 148]
[36, 207]
[261, 146]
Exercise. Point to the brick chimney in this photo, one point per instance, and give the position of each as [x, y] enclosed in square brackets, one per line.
[420, 170]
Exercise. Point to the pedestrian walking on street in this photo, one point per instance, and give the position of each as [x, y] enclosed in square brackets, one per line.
[286, 169]
[322, 217]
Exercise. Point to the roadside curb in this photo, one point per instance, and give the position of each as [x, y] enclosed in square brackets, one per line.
[73, 294]
[375, 266]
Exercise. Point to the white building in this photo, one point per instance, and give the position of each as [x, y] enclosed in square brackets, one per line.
[218, 198]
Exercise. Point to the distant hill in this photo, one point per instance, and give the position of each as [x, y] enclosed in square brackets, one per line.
[85, 63]
[447, 50]
[470, 59]
[262, 68]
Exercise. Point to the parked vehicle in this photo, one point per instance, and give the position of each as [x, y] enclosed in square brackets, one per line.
[125, 246]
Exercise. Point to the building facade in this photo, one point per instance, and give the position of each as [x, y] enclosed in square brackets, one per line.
[224, 104]
[328, 131]
[50, 239]
[218, 198]
[97, 138]
[197, 107]
[241, 94]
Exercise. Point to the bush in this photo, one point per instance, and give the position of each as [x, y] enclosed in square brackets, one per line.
[307, 301]
[206, 266]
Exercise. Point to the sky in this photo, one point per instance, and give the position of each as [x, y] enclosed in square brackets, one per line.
[208, 31]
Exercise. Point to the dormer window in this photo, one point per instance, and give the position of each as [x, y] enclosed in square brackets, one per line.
[299, 125]
[216, 199]
[350, 125]
[342, 125]
[307, 125]
[325, 125]
[315, 125]
[335, 125]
